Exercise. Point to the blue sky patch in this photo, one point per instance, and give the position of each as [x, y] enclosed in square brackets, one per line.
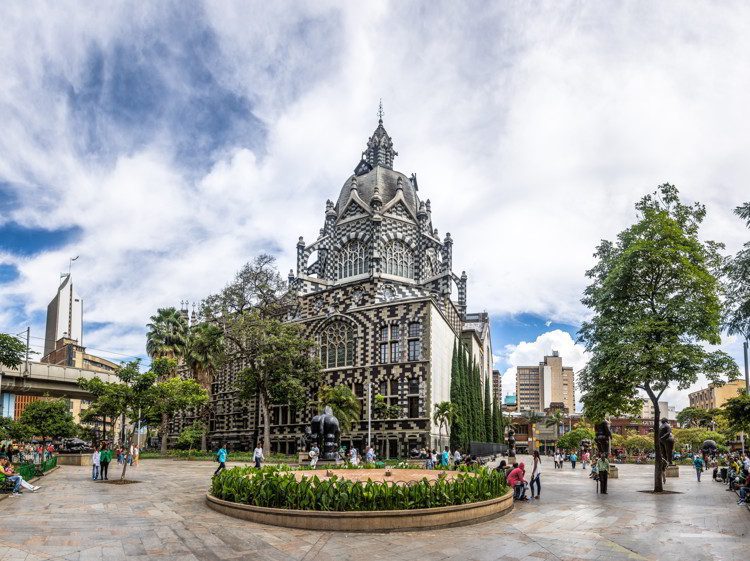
[512, 329]
[20, 240]
[8, 272]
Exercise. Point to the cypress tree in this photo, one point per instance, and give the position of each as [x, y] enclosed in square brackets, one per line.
[478, 407]
[496, 432]
[456, 433]
[468, 434]
[487, 411]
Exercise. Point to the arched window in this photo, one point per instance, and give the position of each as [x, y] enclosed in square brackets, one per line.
[352, 259]
[399, 259]
[337, 345]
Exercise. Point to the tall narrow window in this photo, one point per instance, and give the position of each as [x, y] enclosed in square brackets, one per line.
[399, 259]
[414, 343]
[352, 259]
[337, 345]
[389, 343]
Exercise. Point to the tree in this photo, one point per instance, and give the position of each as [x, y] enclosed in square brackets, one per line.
[13, 430]
[12, 351]
[695, 437]
[457, 429]
[49, 418]
[445, 413]
[638, 444]
[497, 423]
[487, 410]
[278, 364]
[656, 304]
[696, 417]
[203, 355]
[173, 394]
[555, 420]
[191, 436]
[737, 413]
[737, 294]
[572, 440]
[167, 334]
[344, 403]
[533, 418]
[384, 411]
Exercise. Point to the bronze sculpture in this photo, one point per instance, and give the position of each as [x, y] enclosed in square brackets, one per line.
[666, 442]
[324, 431]
[511, 442]
[603, 437]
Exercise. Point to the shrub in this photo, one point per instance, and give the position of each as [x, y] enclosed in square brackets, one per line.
[277, 487]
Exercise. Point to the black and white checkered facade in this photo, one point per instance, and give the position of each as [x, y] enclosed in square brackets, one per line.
[374, 291]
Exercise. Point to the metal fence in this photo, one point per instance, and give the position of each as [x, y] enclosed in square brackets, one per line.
[487, 448]
[31, 470]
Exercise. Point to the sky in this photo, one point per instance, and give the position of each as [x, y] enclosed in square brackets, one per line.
[168, 143]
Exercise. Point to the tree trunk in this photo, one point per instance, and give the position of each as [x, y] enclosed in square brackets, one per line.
[127, 453]
[204, 447]
[164, 425]
[658, 468]
[266, 424]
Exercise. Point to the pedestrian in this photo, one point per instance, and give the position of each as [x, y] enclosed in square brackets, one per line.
[430, 463]
[258, 455]
[353, 456]
[602, 469]
[221, 457]
[573, 459]
[698, 465]
[445, 458]
[119, 455]
[370, 455]
[536, 471]
[314, 454]
[136, 455]
[558, 459]
[16, 478]
[585, 457]
[105, 456]
[518, 483]
[95, 459]
[457, 457]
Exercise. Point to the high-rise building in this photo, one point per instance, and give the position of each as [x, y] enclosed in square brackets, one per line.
[64, 316]
[545, 385]
[715, 395]
[497, 387]
[374, 291]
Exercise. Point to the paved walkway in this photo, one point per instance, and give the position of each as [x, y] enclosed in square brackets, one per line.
[164, 517]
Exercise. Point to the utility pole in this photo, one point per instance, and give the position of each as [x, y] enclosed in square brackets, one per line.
[747, 372]
[28, 336]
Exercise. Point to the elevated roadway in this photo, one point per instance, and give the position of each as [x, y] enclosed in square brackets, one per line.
[49, 379]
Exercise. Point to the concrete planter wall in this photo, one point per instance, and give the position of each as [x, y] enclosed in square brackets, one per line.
[367, 521]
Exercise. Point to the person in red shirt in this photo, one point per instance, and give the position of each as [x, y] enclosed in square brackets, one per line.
[518, 483]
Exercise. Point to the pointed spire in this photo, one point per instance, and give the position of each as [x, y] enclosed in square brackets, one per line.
[380, 112]
[379, 149]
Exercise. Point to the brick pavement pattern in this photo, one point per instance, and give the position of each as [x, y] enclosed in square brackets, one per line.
[165, 517]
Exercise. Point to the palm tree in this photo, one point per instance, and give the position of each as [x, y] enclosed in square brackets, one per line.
[204, 349]
[445, 413]
[167, 334]
[167, 338]
[344, 404]
[555, 420]
[533, 418]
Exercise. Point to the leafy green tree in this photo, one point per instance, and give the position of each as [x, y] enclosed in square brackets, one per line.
[278, 362]
[695, 437]
[344, 403]
[555, 419]
[572, 440]
[457, 424]
[737, 413]
[444, 415]
[533, 418]
[656, 305]
[497, 423]
[12, 351]
[172, 395]
[696, 417]
[737, 294]
[14, 430]
[639, 444]
[466, 411]
[49, 418]
[167, 334]
[204, 353]
[487, 410]
[191, 436]
[384, 411]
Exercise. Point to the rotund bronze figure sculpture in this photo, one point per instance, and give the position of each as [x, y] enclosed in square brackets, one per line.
[603, 437]
[666, 442]
[324, 431]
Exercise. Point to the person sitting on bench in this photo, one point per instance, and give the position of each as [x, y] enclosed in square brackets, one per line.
[12, 476]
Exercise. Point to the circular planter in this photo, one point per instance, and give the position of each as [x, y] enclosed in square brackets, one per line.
[367, 521]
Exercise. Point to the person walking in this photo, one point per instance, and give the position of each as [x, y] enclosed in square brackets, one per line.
[558, 460]
[95, 463]
[602, 469]
[221, 457]
[314, 454]
[536, 470]
[258, 455]
[457, 457]
[445, 458]
[585, 457]
[136, 455]
[370, 455]
[573, 459]
[105, 456]
[698, 465]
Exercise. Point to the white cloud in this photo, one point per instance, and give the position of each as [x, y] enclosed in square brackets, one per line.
[533, 132]
[529, 353]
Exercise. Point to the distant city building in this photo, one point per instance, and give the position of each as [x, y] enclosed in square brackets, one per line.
[715, 395]
[64, 316]
[666, 411]
[497, 387]
[643, 423]
[68, 352]
[538, 387]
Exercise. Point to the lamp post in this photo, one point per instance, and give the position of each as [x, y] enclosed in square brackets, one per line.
[747, 372]
[369, 414]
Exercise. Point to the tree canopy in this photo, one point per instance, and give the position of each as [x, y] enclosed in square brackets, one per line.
[345, 405]
[737, 317]
[655, 298]
[572, 439]
[49, 418]
[12, 351]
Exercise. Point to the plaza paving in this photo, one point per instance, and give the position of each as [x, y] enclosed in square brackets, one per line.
[165, 517]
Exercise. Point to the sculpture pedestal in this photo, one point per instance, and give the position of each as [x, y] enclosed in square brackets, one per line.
[511, 460]
[672, 471]
[614, 472]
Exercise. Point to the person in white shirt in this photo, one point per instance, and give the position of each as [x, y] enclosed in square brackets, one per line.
[370, 455]
[457, 457]
[258, 455]
[354, 457]
[95, 464]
